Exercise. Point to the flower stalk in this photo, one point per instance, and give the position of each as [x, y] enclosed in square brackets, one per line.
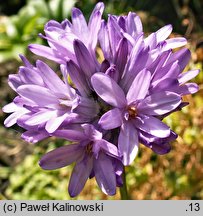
[123, 190]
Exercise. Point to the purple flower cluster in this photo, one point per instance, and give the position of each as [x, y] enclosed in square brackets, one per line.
[110, 105]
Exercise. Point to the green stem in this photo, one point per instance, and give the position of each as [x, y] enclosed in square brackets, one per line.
[123, 190]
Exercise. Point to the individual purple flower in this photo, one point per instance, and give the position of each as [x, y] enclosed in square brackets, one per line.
[93, 155]
[45, 101]
[60, 36]
[135, 111]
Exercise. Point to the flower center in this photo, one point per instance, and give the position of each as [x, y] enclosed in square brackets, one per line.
[132, 111]
[88, 148]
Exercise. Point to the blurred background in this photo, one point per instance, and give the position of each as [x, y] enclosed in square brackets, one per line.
[177, 175]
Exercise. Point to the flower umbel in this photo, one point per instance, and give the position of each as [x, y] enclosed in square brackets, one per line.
[107, 107]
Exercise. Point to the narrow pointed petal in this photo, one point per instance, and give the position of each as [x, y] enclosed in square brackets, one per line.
[80, 174]
[163, 33]
[108, 147]
[70, 134]
[186, 76]
[84, 58]
[134, 24]
[11, 107]
[188, 88]
[78, 78]
[140, 86]
[34, 136]
[152, 125]
[79, 23]
[54, 123]
[61, 157]
[12, 119]
[95, 23]
[121, 55]
[40, 95]
[183, 56]
[159, 103]
[111, 119]
[91, 132]
[14, 81]
[30, 76]
[53, 82]
[40, 117]
[128, 143]
[173, 43]
[105, 174]
[108, 90]
[47, 52]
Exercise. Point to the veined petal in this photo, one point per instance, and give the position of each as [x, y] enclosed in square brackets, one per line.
[186, 76]
[108, 90]
[121, 55]
[163, 33]
[79, 23]
[108, 147]
[91, 132]
[105, 174]
[54, 123]
[173, 43]
[84, 58]
[111, 119]
[70, 134]
[53, 82]
[159, 103]
[45, 51]
[34, 136]
[78, 78]
[128, 142]
[139, 87]
[80, 174]
[40, 95]
[60, 157]
[152, 125]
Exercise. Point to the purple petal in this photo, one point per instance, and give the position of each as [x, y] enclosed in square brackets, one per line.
[111, 119]
[134, 24]
[152, 125]
[186, 76]
[91, 132]
[80, 174]
[105, 174]
[108, 90]
[61, 157]
[79, 23]
[30, 76]
[70, 134]
[173, 43]
[84, 58]
[14, 81]
[54, 123]
[40, 95]
[163, 33]
[128, 142]
[78, 78]
[140, 86]
[44, 51]
[12, 119]
[121, 55]
[104, 40]
[51, 79]
[159, 103]
[40, 117]
[108, 147]
[183, 56]
[95, 23]
[11, 107]
[188, 88]
[34, 136]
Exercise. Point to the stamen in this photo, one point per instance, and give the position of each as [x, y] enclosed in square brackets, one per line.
[132, 111]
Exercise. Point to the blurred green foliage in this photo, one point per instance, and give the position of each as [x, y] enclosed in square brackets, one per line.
[17, 31]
